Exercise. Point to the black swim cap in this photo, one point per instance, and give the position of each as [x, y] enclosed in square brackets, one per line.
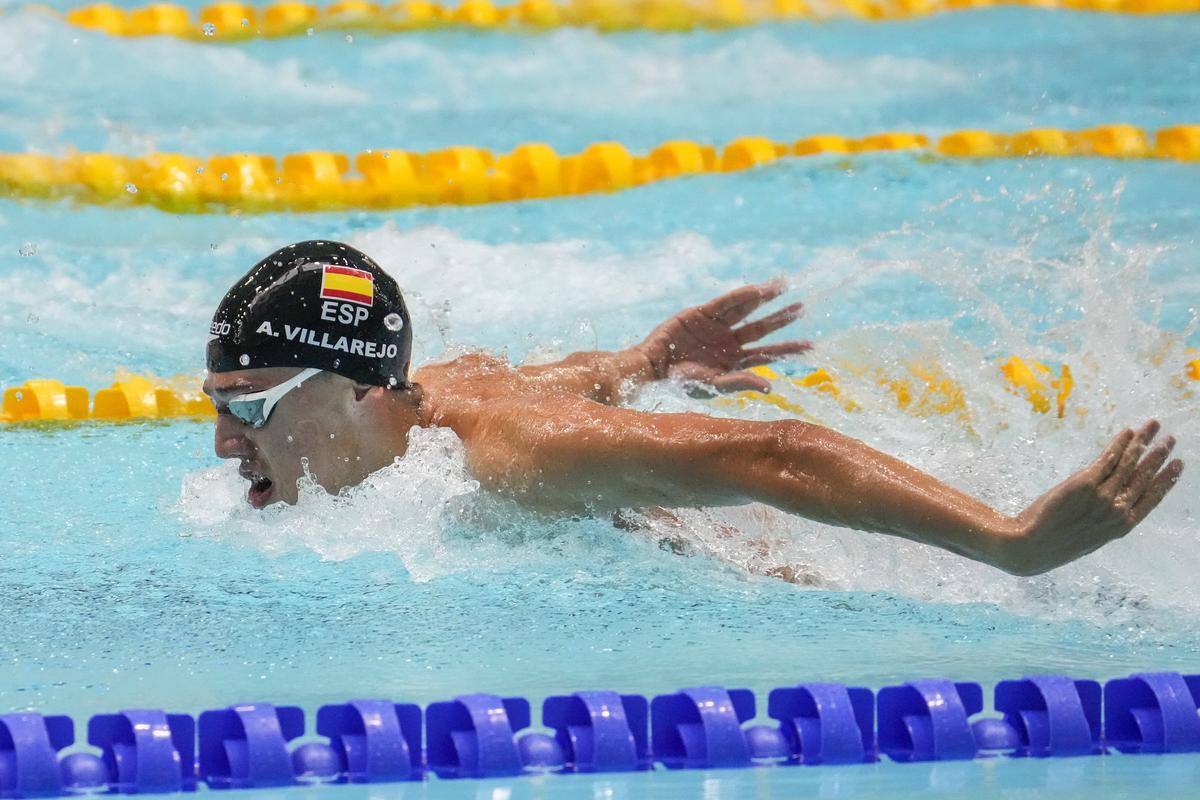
[315, 304]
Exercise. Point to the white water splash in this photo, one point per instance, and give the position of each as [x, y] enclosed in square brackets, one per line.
[406, 508]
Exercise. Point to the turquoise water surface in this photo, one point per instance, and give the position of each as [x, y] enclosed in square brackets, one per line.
[132, 573]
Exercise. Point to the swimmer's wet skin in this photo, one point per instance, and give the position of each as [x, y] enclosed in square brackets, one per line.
[553, 437]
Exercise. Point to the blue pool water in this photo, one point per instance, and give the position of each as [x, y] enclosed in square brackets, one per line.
[131, 574]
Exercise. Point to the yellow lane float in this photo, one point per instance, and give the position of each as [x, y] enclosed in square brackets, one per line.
[926, 390]
[1038, 384]
[387, 179]
[231, 21]
[131, 397]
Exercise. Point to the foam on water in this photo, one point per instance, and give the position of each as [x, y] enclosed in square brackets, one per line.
[425, 508]
[404, 509]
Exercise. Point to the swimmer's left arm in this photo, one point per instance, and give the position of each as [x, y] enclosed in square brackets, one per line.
[709, 343]
[603, 458]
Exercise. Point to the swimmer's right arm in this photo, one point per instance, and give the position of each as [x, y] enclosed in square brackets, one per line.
[710, 343]
[603, 458]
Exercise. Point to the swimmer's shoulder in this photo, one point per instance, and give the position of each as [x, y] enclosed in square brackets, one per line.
[470, 367]
[459, 392]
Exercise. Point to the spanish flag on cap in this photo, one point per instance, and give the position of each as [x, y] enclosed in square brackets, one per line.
[347, 284]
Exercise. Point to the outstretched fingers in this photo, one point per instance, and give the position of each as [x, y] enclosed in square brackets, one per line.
[1146, 470]
[1134, 444]
[1163, 482]
[733, 307]
[1107, 461]
[753, 331]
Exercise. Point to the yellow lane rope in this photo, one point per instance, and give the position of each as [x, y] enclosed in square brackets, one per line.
[129, 397]
[924, 391]
[232, 21]
[383, 179]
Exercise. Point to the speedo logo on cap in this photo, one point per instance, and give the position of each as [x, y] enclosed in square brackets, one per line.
[347, 284]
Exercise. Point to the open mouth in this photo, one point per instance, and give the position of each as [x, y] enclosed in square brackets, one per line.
[260, 490]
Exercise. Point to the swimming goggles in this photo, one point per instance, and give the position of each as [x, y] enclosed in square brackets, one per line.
[254, 408]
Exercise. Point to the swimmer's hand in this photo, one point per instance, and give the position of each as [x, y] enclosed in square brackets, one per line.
[1098, 504]
[707, 343]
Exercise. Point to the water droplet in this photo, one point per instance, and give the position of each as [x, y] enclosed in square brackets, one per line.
[391, 381]
[28, 249]
[290, 438]
[244, 360]
[224, 176]
[349, 39]
[132, 189]
[308, 32]
[209, 29]
[671, 346]
[245, 23]
[393, 322]
[331, 436]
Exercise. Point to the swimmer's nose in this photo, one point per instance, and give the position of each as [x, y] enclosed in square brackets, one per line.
[230, 439]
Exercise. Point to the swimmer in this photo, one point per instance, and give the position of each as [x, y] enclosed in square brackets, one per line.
[308, 364]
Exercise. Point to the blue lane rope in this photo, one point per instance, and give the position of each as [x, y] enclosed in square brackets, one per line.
[246, 746]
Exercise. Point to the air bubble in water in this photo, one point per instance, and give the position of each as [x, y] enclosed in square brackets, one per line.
[349, 39]
[391, 381]
[393, 322]
[244, 360]
[308, 32]
[209, 29]
[28, 249]
[131, 188]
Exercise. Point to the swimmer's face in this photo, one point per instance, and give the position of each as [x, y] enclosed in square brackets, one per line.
[317, 422]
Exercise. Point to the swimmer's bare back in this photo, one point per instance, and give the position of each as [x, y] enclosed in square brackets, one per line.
[553, 437]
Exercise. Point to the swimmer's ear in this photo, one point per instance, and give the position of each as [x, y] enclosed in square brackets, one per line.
[361, 390]
[412, 394]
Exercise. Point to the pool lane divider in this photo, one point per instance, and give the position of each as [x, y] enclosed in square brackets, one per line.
[259, 745]
[131, 397]
[464, 175]
[230, 21]
[924, 391]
